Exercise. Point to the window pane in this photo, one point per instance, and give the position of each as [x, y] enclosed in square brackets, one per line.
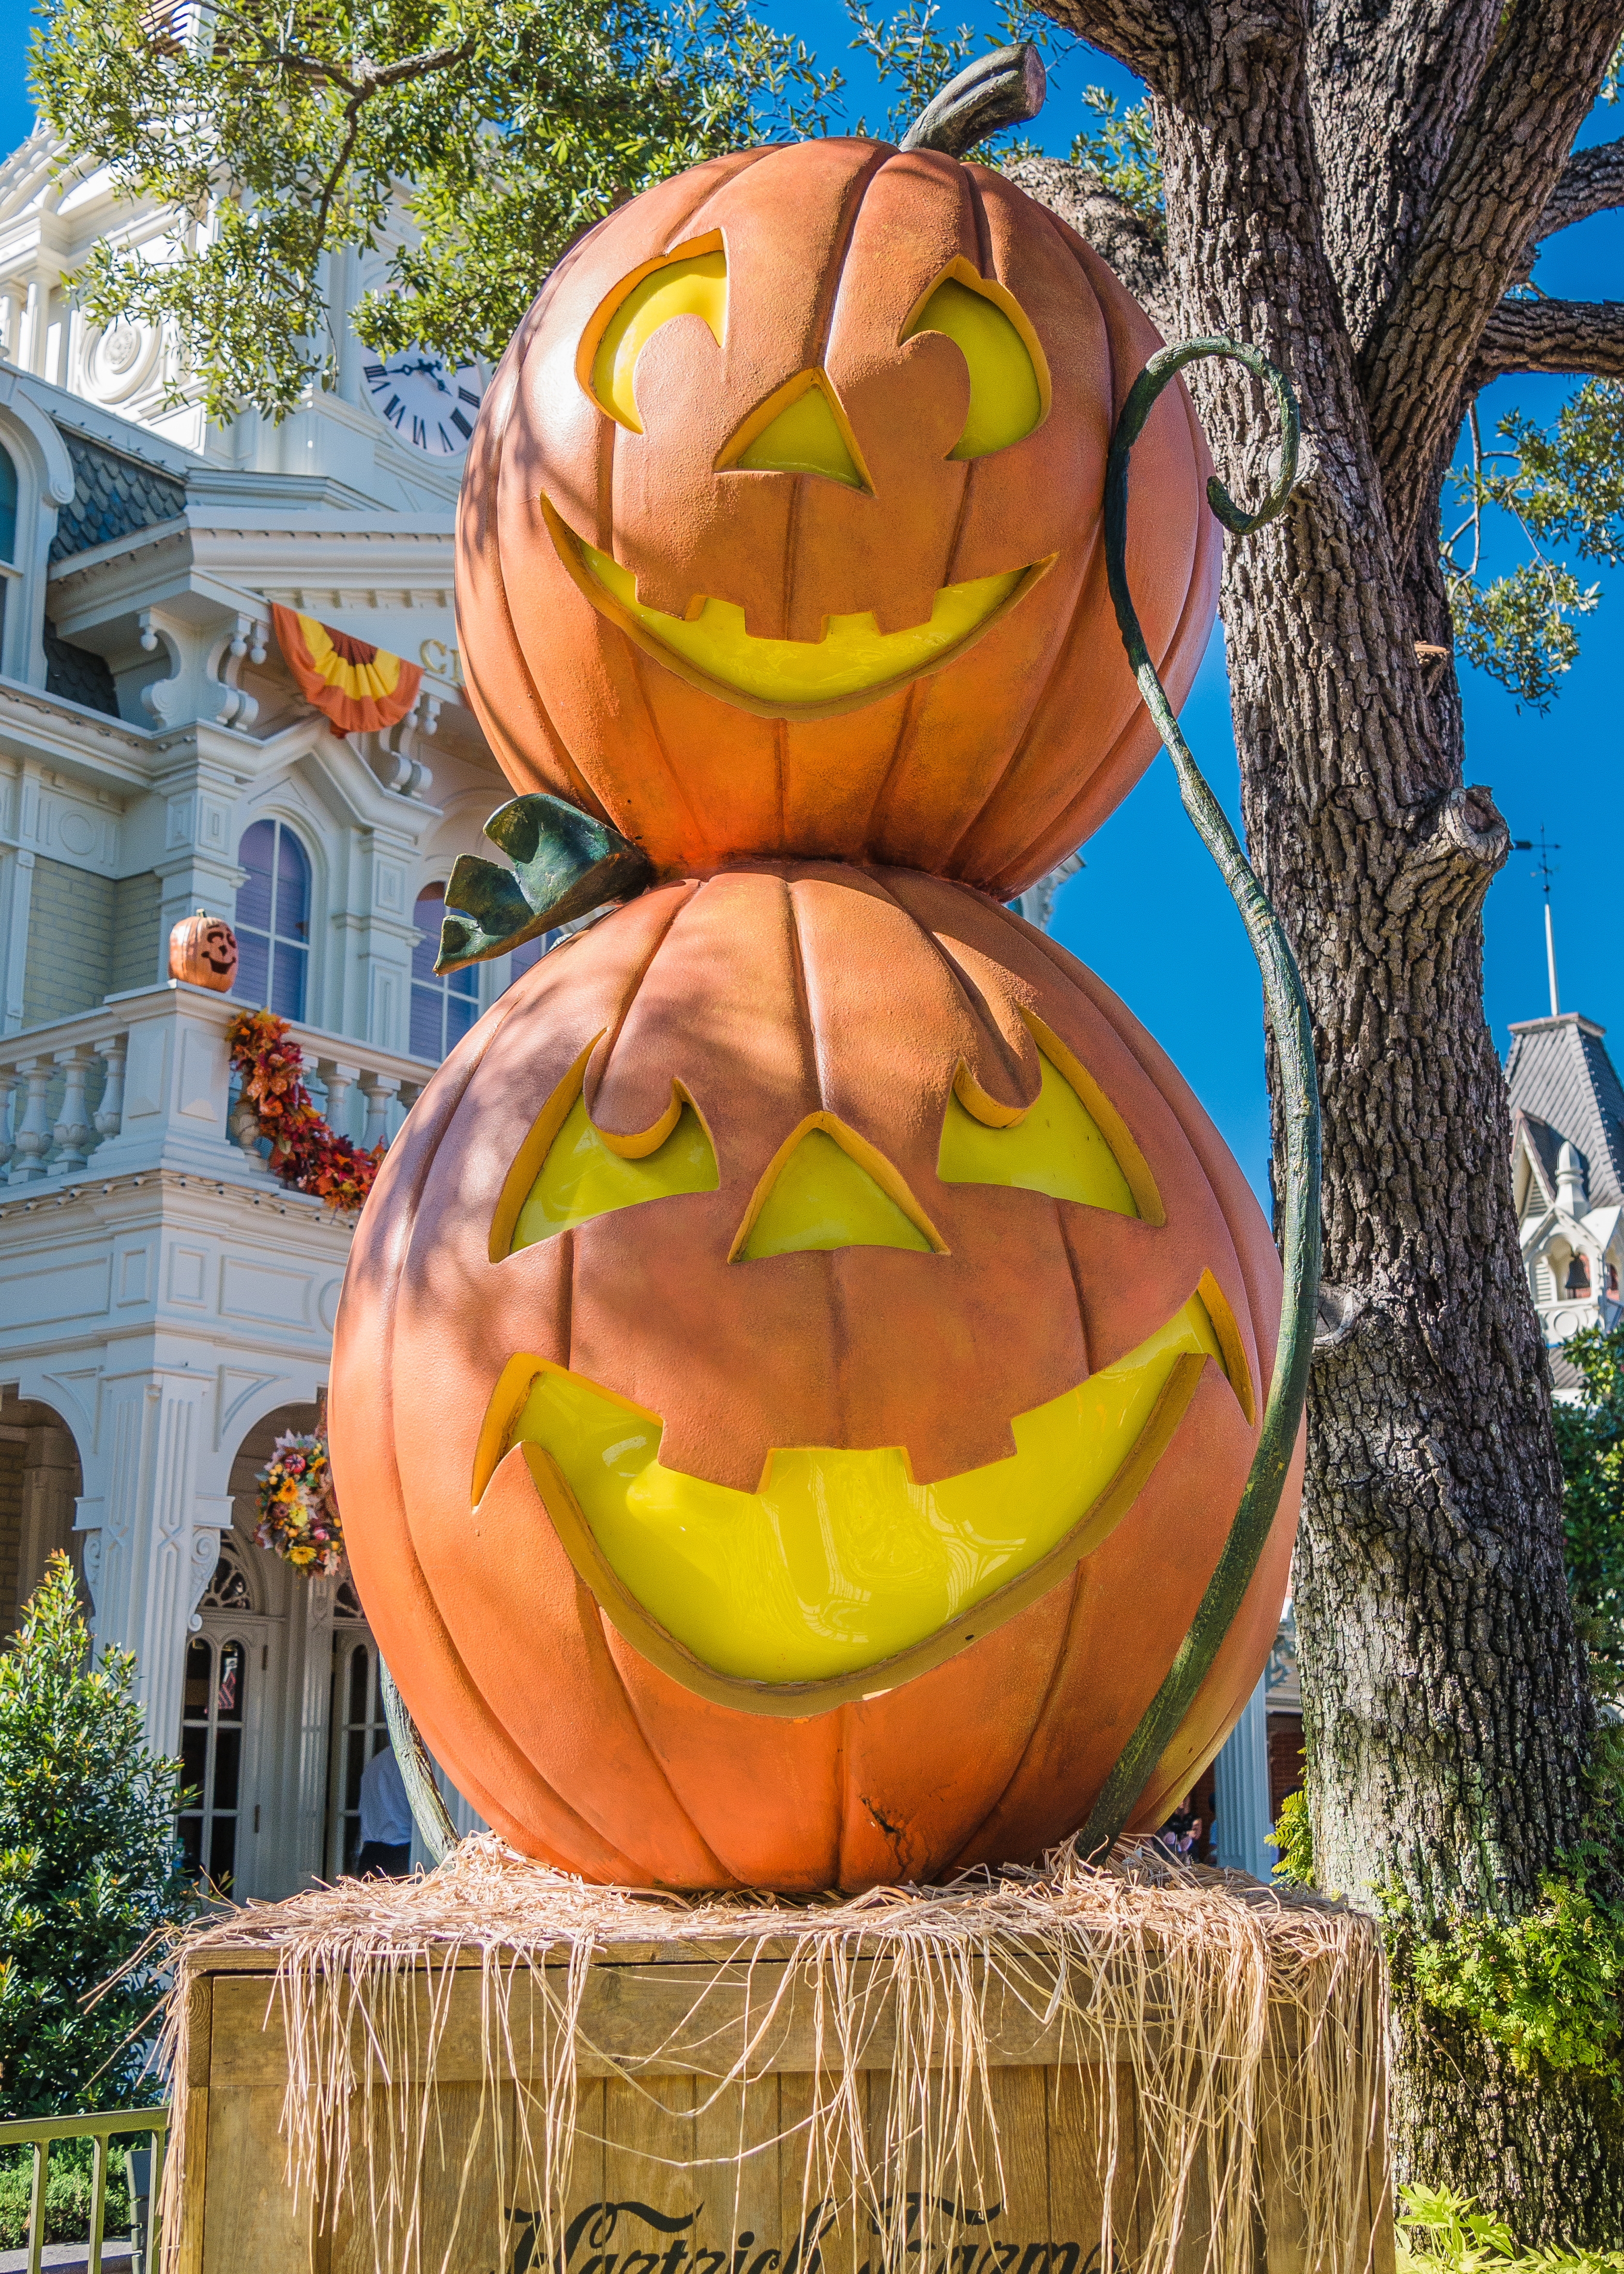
[355, 1762]
[292, 888]
[222, 1850]
[191, 1840]
[228, 1766]
[427, 914]
[253, 966]
[194, 1755]
[233, 1680]
[286, 989]
[427, 1005]
[8, 507]
[460, 1016]
[360, 1670]
[253, 894]
[199, 1659]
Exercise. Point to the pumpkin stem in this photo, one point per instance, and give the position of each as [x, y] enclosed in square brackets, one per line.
[565, 864]
[996, 90]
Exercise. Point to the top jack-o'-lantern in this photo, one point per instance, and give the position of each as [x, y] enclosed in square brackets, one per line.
[781, 528]
[203, 952]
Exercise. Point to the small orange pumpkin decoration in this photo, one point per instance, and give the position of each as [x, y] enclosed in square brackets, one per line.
[796, 1372]
[203, 952]
[780, 533]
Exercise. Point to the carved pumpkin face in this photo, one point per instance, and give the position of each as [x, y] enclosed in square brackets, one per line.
[780, 531]
[796, 1373]
[203, 952]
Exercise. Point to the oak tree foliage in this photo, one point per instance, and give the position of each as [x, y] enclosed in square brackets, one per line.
[288, 134]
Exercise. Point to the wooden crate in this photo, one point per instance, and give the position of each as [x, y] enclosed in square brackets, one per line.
[677, 2173]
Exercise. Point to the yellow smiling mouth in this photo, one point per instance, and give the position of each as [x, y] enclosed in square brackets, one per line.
[840, 1575]
[852, 663]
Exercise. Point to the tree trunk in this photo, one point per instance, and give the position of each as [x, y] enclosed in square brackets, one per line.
[1447, 1721]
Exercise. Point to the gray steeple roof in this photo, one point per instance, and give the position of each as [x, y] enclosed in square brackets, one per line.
[1558, 1073]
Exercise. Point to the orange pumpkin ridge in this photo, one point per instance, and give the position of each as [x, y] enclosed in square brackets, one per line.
[558, 1700]
[978, 757]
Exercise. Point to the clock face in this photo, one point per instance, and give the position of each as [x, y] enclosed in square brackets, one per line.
[431, 405]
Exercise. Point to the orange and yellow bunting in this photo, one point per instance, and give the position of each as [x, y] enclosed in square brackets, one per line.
[359, 688]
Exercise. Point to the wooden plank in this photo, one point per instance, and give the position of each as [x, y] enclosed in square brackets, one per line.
[251, 2224]
[1080, 2138]
[187, 2151]
[819, 2214]
[736, 2168]
[675, 2019]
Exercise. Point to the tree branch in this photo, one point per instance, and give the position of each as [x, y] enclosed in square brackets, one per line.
[1160, 40]
[1133, 244]
[1555, 336]
[1512, 149]
[1589, 183]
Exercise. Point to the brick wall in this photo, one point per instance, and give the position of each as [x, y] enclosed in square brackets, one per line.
[70, 942]
[135, 959]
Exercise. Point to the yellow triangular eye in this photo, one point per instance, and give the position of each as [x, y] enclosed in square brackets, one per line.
[826, 1190]
[1008, 381]
[581, 1177]
[1056, 1148]
[800, 429]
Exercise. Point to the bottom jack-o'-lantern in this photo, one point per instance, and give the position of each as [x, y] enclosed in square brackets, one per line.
[796, 1373]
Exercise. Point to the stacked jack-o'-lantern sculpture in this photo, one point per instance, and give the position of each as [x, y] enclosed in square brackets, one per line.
[802, 1358]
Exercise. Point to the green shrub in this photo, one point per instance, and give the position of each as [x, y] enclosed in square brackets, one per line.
[67, 2193]
[1439, 2232]
[89, 1864]
[1294, 1842]
[1547, 1986]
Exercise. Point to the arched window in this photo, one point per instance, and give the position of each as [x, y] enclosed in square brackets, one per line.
[444, 1007]
[231, 1589]
[272, 920]
[8, 524]
[8, 506]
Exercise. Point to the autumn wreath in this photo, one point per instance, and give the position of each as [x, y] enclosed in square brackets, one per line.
[306, 1152]
[299, 1516]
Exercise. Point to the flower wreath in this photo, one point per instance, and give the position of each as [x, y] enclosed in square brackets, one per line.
[306, 1152]
[299, 1516]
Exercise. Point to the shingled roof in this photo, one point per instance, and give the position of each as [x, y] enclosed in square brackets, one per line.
[1558, 1073]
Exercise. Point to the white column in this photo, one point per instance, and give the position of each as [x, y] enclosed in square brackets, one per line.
[310, 1645]
[153, 1540]
[1241, 1820]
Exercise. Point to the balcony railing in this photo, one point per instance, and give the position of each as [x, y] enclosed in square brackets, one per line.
[40, 2133]
[145, 1081]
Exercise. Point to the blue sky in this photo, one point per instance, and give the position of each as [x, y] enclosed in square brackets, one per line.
[1148, 912]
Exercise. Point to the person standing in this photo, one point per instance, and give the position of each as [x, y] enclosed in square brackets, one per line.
[385, 1821]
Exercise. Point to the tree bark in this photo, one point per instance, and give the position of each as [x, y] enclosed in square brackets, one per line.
[1345, 197]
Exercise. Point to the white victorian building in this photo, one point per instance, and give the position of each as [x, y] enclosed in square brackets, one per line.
[1568, 1177]
[166, 1303]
